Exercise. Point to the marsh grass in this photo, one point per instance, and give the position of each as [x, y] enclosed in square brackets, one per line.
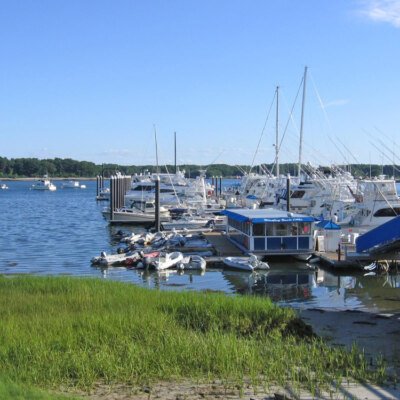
[11, 390]
[77, 332]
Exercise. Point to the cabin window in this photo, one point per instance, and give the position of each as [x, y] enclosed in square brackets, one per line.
[298, 194]
[388, 212]
[304, 228]
[258, 229]
[293, 229]
[281, 229]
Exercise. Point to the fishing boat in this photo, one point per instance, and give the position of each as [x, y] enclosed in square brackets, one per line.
[245, 263]
[44, 184]
[168, 260]
[70, 185]
[192, 262]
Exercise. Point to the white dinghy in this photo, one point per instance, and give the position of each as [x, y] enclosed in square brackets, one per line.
[245, 264]
[168, 260]
[192, 263]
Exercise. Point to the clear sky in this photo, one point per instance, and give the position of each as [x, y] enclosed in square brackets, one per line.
[88, 79]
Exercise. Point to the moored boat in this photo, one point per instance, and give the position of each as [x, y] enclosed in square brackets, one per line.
[168, 260]
[70, 185]
[192, 262]
[245, 263]
[44, 184]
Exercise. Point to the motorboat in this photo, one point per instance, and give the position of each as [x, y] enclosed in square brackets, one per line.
[192, 263]
[140, 212]
[245, 263]
[44, 184]
[3, 186]
[70, 185]
[168, 260]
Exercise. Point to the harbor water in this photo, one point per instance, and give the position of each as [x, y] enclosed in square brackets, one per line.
[57, 233]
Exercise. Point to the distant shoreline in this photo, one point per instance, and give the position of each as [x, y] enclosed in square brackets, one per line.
[52, 179]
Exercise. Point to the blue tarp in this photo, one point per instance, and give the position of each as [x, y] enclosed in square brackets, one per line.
[252, 197]
[328, 224]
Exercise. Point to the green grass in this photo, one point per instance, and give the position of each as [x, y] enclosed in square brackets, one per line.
[10, 390]
[68, 332]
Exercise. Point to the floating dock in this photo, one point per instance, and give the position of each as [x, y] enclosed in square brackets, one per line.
[222, 246]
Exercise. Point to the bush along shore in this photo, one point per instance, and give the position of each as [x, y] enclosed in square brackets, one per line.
[60, 332]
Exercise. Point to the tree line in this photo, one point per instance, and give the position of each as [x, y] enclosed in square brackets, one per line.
[67, 167]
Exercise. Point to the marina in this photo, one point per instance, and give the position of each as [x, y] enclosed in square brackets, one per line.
[41, 249]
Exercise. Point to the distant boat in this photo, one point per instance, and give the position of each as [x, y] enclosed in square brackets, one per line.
[4, 186]
[44, 184]
[70, 185]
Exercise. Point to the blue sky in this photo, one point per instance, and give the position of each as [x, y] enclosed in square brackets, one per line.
[89, 79]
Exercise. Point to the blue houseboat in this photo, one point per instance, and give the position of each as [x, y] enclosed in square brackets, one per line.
[271, 232]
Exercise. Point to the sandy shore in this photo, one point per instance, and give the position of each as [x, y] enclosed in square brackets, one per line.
[376, 332]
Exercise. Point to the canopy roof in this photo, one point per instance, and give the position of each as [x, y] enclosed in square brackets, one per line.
[265, 215]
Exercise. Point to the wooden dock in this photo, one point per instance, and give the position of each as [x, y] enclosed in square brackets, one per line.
[221, 245]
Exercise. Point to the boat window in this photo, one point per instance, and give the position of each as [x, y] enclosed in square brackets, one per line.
[166, 190]
[269, 229]
[297, 194]
[388, 212]
[293, 229]
[258, 229]
[304, 228]
[143, 187]
[281, 229]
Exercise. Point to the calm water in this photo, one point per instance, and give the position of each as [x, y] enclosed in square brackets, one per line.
[57, 233]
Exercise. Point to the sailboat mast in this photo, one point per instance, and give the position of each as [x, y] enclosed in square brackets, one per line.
[175, 149]
[302, 120]
[155, 139]
[277, 132]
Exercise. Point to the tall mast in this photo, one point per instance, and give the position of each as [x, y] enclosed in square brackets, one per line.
[302, 119]
[277, 132]
[175, 149]
[155, 139]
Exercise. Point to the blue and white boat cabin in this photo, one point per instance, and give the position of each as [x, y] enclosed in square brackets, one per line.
[270, 231]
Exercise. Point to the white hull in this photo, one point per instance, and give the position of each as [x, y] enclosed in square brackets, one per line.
[168, 261]
[70, 185]
[192, 263]
[238, 263]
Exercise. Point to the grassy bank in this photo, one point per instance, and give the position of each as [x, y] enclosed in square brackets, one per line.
[66, 332]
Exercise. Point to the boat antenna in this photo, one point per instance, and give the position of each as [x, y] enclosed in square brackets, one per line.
[302, 119]
[155, 139]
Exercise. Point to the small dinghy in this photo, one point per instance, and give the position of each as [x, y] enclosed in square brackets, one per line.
[244, 263]
[113, 259]
[168, 260]
[192, 262]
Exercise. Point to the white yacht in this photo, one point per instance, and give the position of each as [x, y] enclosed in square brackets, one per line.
[44, 184]
[140, 212]
[70, 185]
[376, 202]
